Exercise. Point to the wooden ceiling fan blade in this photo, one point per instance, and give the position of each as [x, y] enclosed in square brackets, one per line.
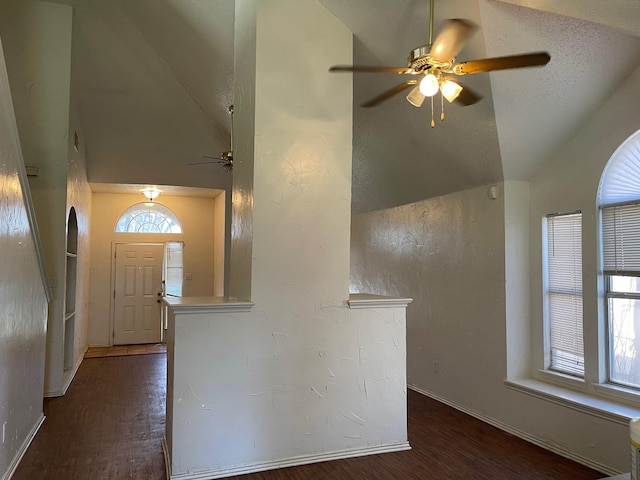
[208, 162]
[367, 69]
[451, 39]
[502, 63]
[386, 95]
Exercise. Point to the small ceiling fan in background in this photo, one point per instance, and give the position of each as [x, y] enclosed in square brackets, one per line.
[436, 64]
[226, 158]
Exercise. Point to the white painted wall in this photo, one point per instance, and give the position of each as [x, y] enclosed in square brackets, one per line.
[469, 263]
[243, 149]
[23, 302]
[446, 253]
[251, 391]
[300, 377]
[78, 197]
[38, 51]
[197, 217]
[220, 241]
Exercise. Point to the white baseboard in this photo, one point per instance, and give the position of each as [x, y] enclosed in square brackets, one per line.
[73, 372]
[287, 462]
[68, 377]
[518, 433]
[23, 449]
[167, 458]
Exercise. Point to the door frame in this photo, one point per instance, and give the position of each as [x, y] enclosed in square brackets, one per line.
[112, 293]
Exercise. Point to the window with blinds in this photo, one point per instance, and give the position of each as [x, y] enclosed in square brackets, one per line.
[564, 293]
[173, 270]
[621, 264]
[621, 239]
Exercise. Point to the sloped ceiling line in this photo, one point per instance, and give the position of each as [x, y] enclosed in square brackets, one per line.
[144, 50]
[622, 15]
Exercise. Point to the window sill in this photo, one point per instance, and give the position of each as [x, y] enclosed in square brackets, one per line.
[594, 404]
[562, 379]
[619, 393]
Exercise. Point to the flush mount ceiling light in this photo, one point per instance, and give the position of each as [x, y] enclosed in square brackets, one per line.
[436, 63]
[151, 193]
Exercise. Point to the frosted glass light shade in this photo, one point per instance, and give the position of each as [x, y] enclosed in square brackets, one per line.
[450, 90]
[151, 193]
[429, 85]
[415, 97]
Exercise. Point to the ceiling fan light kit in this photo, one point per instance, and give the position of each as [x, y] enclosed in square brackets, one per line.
[450, 90]
[436, 63]
[429, 85]
[416, 97]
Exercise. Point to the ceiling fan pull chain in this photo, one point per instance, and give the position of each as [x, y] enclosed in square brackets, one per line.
[442, 106]
[433, 124]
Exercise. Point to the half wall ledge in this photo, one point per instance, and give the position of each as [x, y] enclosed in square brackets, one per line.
[187, 305]
[367, 300]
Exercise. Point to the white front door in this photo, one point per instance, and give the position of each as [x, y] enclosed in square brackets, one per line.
[138, 280]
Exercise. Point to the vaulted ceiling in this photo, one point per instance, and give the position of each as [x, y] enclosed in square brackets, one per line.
[156, 79]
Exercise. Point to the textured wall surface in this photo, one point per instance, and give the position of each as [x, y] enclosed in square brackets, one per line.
[23, 303]
[252, 389]
[473, 293]
[243, 150]
[197, 217]
[78, 198]
[300, 377]
[37, 36]
[447, 254]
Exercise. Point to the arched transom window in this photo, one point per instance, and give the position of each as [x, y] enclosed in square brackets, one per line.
[148, 218]
[619, 199]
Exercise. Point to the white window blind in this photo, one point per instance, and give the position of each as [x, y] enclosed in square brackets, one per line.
[564, 293]
[173, 268]
[621, 239]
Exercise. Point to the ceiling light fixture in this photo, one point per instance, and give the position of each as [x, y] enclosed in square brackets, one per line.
[151, 193]
[435, 63]
[429, 85]
[415, 97]
[450, 90]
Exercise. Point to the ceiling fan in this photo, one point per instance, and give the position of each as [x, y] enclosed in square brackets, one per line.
[226, 158]
[436, 64]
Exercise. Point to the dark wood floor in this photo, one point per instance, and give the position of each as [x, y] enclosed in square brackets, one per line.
[111, 423]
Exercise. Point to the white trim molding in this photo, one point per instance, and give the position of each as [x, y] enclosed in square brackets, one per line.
[193, 305]
[23, 449]
[366, 300]
[69, 375]
[284, 463]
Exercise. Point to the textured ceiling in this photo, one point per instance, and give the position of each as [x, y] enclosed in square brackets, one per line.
[155, 83]
[156, 79]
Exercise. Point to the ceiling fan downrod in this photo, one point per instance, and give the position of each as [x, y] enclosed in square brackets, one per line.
[431, 10]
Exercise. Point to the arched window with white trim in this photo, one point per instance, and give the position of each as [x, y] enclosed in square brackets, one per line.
[619, 201]
[148, 217]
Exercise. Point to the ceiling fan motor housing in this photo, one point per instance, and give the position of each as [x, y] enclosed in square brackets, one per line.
[419, 60]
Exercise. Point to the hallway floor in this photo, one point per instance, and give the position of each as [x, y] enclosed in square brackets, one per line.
[111, 423]
[121, 350]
